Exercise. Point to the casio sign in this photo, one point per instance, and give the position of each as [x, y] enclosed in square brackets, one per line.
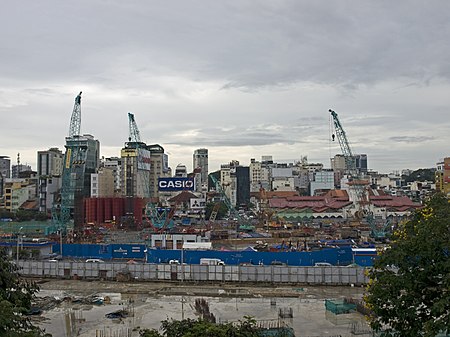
[175, 184]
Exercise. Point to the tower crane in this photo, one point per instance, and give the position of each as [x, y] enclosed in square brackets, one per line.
[141, 154]
[72, 158]
[134, 135]
[75, 120]
[350, 161]
[233, 212]
[355, 181]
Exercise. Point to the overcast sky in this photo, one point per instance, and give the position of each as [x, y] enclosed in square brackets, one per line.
[240, 78]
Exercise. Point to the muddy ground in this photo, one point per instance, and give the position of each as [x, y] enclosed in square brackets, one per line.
[72, 307]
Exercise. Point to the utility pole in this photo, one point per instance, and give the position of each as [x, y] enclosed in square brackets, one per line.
[18, 238]
[60, 243]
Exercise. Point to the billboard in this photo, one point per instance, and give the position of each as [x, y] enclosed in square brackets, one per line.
[197, 203]
[175, 184]
[143, 159]
[68, 157]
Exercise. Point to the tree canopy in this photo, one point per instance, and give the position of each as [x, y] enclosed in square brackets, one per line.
[16, 295]
[204, 328]
[426, 174]
[409, 289]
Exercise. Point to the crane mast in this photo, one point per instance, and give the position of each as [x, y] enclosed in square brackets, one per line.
[75, 120]
[350, 161]
[73, 157]
[355, 182]
[241, 222]
[134, 135]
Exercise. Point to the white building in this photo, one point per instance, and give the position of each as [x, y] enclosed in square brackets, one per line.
[200, 161]
[114, 164]
[49, 172]
[323, 180]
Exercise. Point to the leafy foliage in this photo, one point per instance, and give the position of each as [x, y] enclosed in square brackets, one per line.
[201, 328]
[420, 175]
[15, 301]
[27, 215]
[409, 290]
[24, 215]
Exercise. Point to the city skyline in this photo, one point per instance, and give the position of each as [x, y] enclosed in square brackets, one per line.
[240, 79]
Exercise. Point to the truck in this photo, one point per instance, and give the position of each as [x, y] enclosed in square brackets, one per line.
[211, 261]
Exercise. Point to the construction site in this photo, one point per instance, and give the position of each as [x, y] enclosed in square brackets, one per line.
[122, 309]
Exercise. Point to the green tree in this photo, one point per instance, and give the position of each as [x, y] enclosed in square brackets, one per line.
[16, 295]
[202, 328]
[409, 289]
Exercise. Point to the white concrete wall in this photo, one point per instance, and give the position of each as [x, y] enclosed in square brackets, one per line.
[334, 275]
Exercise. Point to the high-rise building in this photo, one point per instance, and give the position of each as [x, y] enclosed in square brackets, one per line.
[115, 164]
[255, 176]
[242, 174]
[80, 161]
[50, 162]
[5, 167]
[17, 169]
[159, 167]
[235, 181]
[200, 160]
[136, 170]
[445, 185]
[102, 183]
[361, 163]
[49, 171]
[5, 172]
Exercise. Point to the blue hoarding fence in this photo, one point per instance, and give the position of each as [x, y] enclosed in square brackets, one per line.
[105, 252]
[335, 256]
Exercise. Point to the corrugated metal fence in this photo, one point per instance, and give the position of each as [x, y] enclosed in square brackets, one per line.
[334, 275]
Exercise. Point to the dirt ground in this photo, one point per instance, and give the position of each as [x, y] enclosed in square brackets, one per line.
[148, 303]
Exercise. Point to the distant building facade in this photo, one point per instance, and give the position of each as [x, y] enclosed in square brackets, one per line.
[80, 161]
[136, 170]
[159, 167]
[442, 176]
[200, 160]
[49, 171]
[115, 165]
[5, 167]
[17, 169]
[361, 163]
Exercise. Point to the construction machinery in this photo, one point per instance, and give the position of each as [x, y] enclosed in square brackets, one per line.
[234, 214]
[379, 228]
[350, 161]
[74, 156]
[136, 168]
[160, 219]
[355, 181]
[137, 163]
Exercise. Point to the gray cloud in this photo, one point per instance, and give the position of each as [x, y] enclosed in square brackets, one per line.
[408, 139]
[257, 77]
